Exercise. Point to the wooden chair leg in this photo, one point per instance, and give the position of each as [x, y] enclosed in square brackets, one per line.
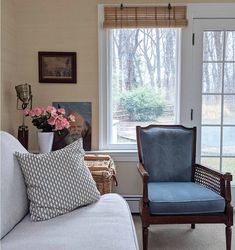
[228, 231]
[145, 231]
[193, 226]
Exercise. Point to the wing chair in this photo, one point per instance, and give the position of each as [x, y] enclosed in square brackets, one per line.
[175, 189]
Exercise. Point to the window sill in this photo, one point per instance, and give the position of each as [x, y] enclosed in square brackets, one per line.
[118, 155]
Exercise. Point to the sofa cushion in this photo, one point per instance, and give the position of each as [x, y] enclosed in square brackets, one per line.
[57, 182]
[104, 225]
[183, 198]
[167, 153]
[14, 202]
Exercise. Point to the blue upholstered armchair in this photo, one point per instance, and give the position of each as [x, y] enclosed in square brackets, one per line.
[175, 189]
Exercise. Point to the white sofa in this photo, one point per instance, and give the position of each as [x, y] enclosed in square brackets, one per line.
[104, 225]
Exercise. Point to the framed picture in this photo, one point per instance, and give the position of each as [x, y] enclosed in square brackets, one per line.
[80, 128]
[57, 67]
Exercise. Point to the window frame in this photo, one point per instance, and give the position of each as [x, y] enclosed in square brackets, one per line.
[105, 90]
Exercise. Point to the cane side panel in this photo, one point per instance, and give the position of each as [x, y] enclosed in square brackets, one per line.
[207, 179]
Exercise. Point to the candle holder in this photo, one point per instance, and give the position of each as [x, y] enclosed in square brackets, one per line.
[24, 99]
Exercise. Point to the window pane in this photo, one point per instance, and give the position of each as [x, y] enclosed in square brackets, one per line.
[210, 142]
[213, 45]
[229, 109]
[228, 166]
[143, 78]
[212, 78]
[211, 109]
[229, 77]
[212, 162]
[230, 46]
[229, 141]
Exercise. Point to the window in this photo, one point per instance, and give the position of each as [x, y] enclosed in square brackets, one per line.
[139, 71]
[143, 80]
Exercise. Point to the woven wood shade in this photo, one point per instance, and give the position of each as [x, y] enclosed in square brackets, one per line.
[144, 17]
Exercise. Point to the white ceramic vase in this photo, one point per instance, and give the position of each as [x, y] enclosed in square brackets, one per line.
[45, 141]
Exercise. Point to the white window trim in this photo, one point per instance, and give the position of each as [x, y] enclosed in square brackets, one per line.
[102, 57]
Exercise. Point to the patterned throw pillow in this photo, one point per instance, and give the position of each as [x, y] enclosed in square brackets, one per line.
[57, 182]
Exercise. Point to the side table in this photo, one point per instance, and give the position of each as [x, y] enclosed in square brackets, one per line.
[103, 171]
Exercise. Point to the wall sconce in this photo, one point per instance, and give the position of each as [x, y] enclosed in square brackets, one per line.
[24, 95]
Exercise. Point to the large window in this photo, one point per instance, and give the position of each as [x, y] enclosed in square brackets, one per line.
[142, 69]
[139, 70]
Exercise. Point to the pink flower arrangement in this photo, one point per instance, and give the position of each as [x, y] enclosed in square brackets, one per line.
[49, 119]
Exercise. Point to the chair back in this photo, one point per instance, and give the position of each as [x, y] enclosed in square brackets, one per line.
[167, 152]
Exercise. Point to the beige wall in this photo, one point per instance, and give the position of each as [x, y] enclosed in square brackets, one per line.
[8, 65]
[59, 26]
[129, 181]
[30, 26]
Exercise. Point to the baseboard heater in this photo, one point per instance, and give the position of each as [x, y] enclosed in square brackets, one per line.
[133, 202]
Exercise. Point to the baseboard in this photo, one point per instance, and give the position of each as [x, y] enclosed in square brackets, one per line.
[133, 202]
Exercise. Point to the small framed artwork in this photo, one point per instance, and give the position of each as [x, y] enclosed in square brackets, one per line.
[57, 67]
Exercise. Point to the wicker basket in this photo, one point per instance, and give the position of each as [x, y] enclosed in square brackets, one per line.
[103, 171]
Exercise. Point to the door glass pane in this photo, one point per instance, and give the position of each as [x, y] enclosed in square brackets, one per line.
[230, 46]
[218, 99]
[229, 109]
[229, 141]
[229, 77]
[211, 109]
[212, 78]
[228, 166]
[210, 142]
[212, 162]
[213, 45]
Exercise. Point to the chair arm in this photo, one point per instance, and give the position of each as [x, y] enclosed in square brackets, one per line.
[145, 176]
[142, 171]
[214, 180]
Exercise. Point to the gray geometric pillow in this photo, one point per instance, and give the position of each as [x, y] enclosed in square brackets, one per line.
[57, 182]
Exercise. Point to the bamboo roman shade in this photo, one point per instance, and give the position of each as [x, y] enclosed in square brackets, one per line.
[144, 17]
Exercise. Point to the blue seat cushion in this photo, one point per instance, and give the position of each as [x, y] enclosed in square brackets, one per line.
[183, 198]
